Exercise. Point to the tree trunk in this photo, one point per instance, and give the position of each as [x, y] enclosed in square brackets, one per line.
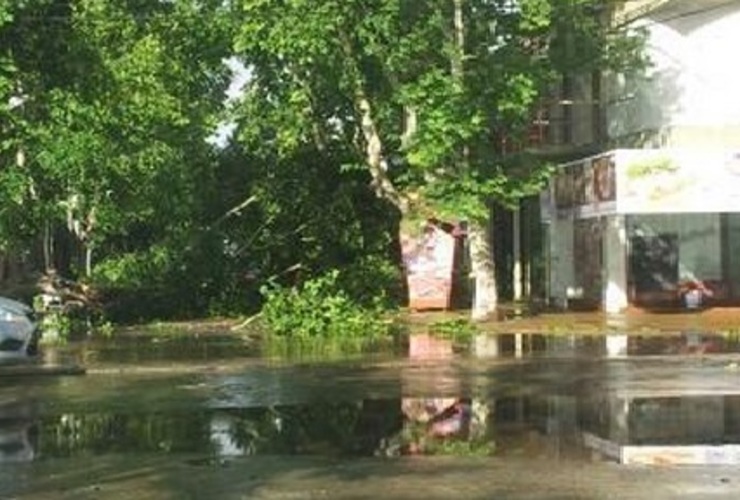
[88, 260]
[375, 158]
[485, 296]
[458, 57]
[48, 246]
[482, 267]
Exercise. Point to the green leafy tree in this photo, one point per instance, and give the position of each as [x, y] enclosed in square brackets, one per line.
[105, 147]
[423, 94]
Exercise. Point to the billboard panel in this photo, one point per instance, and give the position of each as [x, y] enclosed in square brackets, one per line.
[587, 187]
[671, 181]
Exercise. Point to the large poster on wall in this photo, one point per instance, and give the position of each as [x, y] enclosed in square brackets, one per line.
[670, 181]
[429, 263]
[588, 187]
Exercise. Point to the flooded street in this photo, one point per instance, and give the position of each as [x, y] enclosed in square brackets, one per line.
[518, 416]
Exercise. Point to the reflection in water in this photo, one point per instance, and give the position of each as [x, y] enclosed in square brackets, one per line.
[434, 403]
[434, 425]
[362, 428]
[440, 425]
[693, 429]
[612, 345]
[16, 433]
[15, 442]
[340, 429]
[655, 430]
[660, 430]
[428, 347]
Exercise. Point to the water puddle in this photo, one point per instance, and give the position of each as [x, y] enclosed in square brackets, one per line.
[675, 430]
[612, 345]
[657, 400]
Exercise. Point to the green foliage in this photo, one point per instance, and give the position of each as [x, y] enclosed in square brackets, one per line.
[373, 281]
[106, 109]
[320, 308]
[323, 349]
[60, 325]
[458, 329]
[56, 328]
[310, 61]
[113, 106]
[166, 281]
[135, 269]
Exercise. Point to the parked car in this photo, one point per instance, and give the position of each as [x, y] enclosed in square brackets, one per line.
[19, 330]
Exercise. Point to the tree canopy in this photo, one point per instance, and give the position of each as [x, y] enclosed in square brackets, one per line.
[355, 117]
[423, 94]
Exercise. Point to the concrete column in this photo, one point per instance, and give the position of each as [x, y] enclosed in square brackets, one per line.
[517, 251]
[486, 346]
[615, 265]
[518, 345]
[562, 271]
[616, 345]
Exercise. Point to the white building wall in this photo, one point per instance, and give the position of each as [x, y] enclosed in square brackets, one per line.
[692, 85]
[689, 98]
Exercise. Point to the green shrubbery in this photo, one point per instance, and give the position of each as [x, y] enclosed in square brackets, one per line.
[321, 308]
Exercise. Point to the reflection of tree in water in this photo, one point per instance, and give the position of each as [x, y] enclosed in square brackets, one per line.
[348, 428]
[96, 433]
[336, 429]
[353, 428]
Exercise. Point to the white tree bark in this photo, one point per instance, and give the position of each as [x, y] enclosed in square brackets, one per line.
[459, 56]
[375, 158]
[483, 269]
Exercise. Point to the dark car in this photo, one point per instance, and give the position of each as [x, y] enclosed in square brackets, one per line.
[19, 331]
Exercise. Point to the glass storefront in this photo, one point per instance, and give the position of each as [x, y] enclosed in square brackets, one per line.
[672, 255]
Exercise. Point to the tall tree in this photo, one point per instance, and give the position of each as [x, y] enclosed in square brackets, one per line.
[426, 92]
[116, 100]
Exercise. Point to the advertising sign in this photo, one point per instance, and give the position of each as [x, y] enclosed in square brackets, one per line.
[429, 261]
[588, 187]
[674, 181]
[644, 181]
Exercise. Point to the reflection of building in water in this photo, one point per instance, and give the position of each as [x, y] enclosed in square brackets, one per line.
[648, 430]
[613, 345]
[664, 430]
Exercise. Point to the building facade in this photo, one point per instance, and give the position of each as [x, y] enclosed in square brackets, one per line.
[654, 218]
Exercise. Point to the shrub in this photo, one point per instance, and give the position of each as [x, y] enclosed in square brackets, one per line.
[373, 281]
[320, 309]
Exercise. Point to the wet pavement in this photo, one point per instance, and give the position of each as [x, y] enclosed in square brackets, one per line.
[206, 416]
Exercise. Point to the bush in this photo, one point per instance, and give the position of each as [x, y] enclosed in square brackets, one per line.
[320, 309]
[373, 281]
